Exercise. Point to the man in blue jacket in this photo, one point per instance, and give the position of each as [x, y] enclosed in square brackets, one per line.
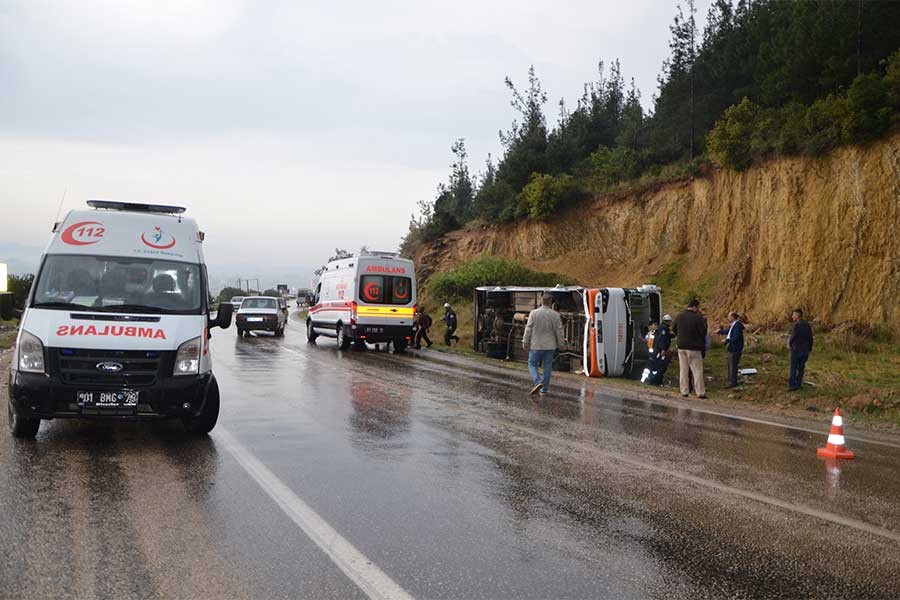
[734, 343]
[801, 344]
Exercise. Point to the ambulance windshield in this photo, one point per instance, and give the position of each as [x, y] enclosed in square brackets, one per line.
[118, 284]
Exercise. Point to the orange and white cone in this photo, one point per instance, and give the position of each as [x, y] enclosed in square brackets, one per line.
[835, 446]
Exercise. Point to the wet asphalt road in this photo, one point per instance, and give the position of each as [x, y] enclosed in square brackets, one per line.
[342, 475]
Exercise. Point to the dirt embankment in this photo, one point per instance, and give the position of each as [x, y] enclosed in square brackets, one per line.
[821, 233]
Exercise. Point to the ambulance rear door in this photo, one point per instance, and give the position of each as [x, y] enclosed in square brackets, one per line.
[386, 292]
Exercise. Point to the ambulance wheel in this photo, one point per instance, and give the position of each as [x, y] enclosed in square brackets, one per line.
[343, 341]
[311, 334]
[22, 427]
[204, 422]
[399, 346]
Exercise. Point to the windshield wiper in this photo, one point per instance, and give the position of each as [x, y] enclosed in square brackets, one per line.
[135, 308]
[63, 305]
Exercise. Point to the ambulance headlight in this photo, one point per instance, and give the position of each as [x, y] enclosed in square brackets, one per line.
[187, 359]
[31, 353]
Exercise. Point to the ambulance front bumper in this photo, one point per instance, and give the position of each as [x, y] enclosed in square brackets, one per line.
[47, 397]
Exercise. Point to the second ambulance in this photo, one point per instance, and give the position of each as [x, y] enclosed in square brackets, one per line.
[366, 298]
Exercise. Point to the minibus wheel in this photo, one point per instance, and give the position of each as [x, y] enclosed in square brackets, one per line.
[204, 422]
[22, 427]
[342, 340]
[399, 346]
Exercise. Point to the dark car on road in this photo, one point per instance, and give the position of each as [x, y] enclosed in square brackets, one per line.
[262, 313]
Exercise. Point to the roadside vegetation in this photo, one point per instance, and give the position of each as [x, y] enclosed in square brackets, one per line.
[8, 332]
[760, 79]
[459, 283]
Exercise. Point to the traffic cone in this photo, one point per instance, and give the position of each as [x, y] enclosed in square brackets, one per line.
[835, 446]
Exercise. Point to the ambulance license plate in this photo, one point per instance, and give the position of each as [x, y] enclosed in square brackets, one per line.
[374, 329]
[108, 399]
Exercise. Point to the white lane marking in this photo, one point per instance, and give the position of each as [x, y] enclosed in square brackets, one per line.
[374, 582]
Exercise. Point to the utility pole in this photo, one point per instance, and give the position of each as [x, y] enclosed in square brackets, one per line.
[858, 37]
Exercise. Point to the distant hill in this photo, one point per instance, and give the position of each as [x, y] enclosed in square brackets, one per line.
[20, 259]
[813, 232]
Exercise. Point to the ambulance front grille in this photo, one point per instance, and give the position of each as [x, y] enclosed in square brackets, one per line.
[79, 367]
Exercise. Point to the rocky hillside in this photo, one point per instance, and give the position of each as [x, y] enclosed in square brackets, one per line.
[821, 233]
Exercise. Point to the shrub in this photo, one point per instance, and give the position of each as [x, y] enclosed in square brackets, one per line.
[460, 283]
[546, 194]
[791, 130]
[607, 167]
[892, 78]
[826, 124]
[729, 142]
[19, 286]
[867, 101]
[493, 199]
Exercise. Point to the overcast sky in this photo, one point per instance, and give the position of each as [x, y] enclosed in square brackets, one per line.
[286, 128]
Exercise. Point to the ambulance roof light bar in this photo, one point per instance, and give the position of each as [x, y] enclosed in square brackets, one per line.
[134, 207]
[379, 253]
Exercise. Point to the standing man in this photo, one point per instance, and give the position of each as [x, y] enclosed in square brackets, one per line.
[690, 335]
[543, 335]
[450, 320]
[423, 322]
[801, 344]
[734, 343]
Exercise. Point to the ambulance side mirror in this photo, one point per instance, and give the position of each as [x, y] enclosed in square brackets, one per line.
[223, 316]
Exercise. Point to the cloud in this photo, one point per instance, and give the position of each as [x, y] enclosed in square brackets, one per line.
[287, 128]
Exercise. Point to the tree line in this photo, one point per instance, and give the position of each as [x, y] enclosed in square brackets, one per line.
[759, 78]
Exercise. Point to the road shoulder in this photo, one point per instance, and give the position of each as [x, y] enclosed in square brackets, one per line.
[632, 390]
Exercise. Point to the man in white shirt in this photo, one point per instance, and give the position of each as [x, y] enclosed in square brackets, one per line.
[543, 336]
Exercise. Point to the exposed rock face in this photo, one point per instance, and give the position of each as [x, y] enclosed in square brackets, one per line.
[821, 233]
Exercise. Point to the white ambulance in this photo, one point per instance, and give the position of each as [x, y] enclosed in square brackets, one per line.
[117, 322]
[366, 298]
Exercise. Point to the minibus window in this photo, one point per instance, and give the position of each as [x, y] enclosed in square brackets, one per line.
[385, 289]
[400, 290]
[371, 289]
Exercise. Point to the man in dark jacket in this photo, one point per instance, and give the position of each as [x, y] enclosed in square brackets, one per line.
[423, 323]
[690, 335]
[734, 343]
[450, 320]
[801, 344]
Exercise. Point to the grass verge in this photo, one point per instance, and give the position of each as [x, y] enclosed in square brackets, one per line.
[860, 373]
[8, 330]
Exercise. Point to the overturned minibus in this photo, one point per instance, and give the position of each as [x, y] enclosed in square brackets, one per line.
[605, 329]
